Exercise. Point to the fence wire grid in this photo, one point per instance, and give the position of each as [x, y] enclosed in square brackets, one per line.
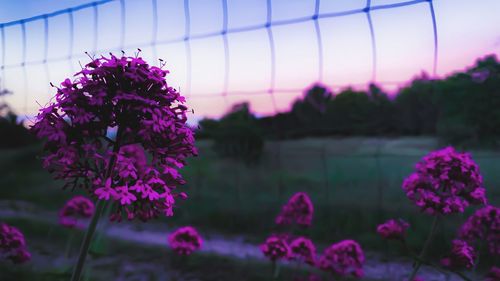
[188, 37]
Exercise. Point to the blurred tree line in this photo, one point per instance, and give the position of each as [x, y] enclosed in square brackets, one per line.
[463, 108]
[14, 133]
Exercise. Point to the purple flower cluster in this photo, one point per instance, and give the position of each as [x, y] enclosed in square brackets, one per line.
[185, 240]
[298, 210]
[126, 97]
[393, 229]
[303, 249]
[483, 225]
[343, 258]
[275, 248]
[494, 274]
[77, 207]
[12, 244]
[445, 181]
[462, 256]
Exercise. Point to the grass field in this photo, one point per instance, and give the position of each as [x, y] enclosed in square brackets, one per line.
[113, 260]
[355, 184]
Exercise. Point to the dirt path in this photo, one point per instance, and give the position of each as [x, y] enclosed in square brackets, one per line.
[154, 234]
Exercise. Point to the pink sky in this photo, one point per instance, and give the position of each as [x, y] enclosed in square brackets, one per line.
[466, 30]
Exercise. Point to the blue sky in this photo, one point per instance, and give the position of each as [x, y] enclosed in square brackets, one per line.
[467, 30]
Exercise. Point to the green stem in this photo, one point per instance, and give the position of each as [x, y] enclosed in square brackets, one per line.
[276, 270]
[423, 253]
[77, 272]
[437, 267]
[86, 241]
[441, 269]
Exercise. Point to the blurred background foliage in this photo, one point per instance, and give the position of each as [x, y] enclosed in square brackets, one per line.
[461, 109]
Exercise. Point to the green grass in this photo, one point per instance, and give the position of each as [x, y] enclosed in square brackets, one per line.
[355, 184]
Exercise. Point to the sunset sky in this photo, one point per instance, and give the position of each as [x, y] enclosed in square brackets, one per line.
[467, 29]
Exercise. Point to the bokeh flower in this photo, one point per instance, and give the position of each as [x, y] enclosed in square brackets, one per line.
[493, 274]
[343, 258]
[483, 226]
[119, 132]
[298, 210]
[445, 182]
[462, 256]
[303, 249]
[275, 248]
[185, 240]
[12, 244]
[393, 229]
[74, 209]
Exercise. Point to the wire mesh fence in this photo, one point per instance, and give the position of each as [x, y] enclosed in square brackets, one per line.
[187, 38]
[365, 172]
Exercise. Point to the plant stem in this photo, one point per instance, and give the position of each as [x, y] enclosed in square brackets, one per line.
[441, 269]
[86, 241]
[101, 204]
[423, 253]
[276, 270]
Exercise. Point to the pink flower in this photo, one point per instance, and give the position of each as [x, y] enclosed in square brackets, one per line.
[494, 274]
[131, 162]
[393, 229]
[303, 250]
[343, 258]
[126, 197]
[418, 278]
[445, 182]
[75, 208]
[275, 248]
[126, 98]
[106, 192]
[185, 240]
[298, 210]
[12, 244]
[483, 226]
[20, 255]
[462, 256]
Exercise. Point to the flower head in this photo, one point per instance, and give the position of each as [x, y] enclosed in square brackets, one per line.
[275, 248]
[494, 274]
[445, 182]
[343, 258]
[483, 225]
[185, 240]
[77, 207]
[303, 249]
[462, 256]
[12, 244]
[119, 132]
[393, 229]
[298, 210]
